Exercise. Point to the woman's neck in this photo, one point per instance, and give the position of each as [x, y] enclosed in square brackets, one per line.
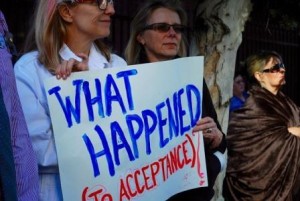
[273, 90]
[78, 43]
[79, 47]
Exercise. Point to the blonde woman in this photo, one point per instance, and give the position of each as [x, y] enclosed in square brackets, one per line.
[157, 34]
[66, 37]
[264, 137]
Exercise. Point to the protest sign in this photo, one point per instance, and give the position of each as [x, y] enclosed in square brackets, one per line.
[125, 133]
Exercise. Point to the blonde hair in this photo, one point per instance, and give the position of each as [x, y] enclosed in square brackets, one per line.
[133, 50]
[257, 62]
[48, 33]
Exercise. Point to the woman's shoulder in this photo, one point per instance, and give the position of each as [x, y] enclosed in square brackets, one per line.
[117, 61]
[28, 64]
[26, 60]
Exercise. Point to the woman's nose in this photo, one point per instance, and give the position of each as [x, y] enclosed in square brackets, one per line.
[110, 9]
[172, 31]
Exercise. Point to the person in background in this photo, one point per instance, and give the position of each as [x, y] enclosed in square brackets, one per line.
[18, 166]
[8, 184]
[239, 92]
[157, 35]
[264, 137]
[66, 37]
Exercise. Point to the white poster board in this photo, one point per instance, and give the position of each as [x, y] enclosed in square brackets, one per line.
[125, 133]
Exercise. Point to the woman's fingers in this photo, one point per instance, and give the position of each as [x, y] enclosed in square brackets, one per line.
[61, 70]
[204, 124]
[66, 67]
[294, 131]
[214, 138]
[82, 65]
[211, 134]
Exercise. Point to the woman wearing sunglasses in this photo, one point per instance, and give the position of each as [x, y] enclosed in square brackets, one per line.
[157, 34]
[66, 37]
[264, 137]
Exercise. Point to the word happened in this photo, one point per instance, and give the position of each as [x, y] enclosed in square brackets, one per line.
[170, 118]
[149, 176]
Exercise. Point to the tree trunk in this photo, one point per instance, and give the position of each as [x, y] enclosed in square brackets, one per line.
[217, 35]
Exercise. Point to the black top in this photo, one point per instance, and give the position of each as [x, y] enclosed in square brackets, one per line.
[208, 110]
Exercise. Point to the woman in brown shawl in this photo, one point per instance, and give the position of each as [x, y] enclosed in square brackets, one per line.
[264, 138]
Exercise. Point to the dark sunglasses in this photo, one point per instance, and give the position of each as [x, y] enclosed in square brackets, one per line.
[274, 69]
[164, 27]
[102, 4]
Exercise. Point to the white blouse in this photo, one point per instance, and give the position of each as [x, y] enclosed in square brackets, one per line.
[30, 76]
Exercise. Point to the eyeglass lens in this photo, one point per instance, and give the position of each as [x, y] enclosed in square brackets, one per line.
[275, 68]
[104, 3]
[164, 27]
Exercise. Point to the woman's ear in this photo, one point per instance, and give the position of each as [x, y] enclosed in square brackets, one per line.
[65, 13]
[140, 39]
[257, 76]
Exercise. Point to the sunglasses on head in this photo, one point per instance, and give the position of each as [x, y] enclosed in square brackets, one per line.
[274, 69]
[164, 27]
[102, 4]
